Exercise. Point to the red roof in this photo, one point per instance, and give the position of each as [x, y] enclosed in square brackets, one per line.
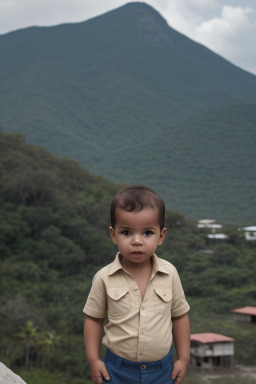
[210, 338]
[245, 310]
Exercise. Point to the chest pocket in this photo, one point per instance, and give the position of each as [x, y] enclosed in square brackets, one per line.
[118, 301]
[163, 300]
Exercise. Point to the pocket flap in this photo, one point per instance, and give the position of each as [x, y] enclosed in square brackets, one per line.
[117, 293]
[164, 293]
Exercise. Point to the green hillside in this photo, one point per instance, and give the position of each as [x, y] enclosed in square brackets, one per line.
[133, 100]
[54, 219]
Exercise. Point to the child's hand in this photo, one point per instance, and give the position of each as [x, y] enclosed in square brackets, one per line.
[179, 371]
[98, 369]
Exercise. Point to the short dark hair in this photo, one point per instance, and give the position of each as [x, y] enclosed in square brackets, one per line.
[135, 198]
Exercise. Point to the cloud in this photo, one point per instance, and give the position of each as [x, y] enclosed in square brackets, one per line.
[229, 25]
[226, 29]
[184, 15]
[203, 3]
[232, 34]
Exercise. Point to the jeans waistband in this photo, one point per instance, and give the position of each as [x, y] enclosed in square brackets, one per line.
[140, 365]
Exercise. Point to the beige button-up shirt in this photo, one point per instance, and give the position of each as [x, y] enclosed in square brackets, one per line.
[137, 330]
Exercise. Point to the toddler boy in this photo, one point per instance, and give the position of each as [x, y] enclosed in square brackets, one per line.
[142, 297]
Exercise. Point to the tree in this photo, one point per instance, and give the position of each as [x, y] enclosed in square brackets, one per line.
[28, 336]
[47, 345]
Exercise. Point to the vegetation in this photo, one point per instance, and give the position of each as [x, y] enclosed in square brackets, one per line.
[54, 222]
[133, 100]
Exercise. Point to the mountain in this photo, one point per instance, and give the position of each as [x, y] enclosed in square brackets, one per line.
[132, 99]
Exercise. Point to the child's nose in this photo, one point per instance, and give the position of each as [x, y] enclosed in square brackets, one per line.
[137, 239]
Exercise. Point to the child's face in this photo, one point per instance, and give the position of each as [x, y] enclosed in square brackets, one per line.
[137, 234]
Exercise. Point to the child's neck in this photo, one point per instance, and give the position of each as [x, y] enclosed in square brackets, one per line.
[140, 272]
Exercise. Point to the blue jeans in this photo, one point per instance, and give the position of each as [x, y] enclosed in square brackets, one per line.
[123, 371]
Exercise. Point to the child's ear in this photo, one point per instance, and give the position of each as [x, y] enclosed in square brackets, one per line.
[162, 236]
[112, 234]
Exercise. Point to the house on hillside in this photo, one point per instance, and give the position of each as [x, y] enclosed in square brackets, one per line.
[209, 223]
[245, 314]
[250, 233]
[211, 350]
[213, 227]
[217, 236]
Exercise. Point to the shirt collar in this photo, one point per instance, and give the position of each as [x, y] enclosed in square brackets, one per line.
[157, 265]
[116, 265]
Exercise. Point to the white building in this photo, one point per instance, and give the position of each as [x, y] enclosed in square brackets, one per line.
[208, 223]
[217, 236]
[250, 233]
[211, 350]
[213, 227]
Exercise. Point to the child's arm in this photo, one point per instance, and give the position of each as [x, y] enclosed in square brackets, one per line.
[181, 336]
[92, 340]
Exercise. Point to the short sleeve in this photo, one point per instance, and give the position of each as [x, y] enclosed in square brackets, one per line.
[179, 303]
[96, 304]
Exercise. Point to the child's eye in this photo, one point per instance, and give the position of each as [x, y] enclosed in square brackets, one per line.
[148, 233]
[125, 233]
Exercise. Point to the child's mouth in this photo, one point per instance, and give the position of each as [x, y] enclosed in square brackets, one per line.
[137, 253]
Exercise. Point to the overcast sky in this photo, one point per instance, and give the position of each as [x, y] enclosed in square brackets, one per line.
[228, 27]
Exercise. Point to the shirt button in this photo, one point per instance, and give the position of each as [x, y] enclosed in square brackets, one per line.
[141, 332]
[135, 288]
